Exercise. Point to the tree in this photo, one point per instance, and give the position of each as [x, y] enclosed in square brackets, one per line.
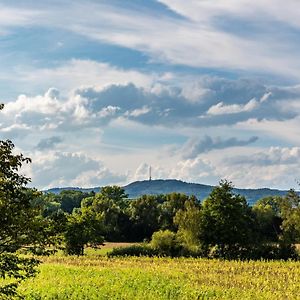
[19, 220]
[144, 213]
[226, 221]
[188, 221]
[84, 227]
[290, 212]
[114, 193]
[113, 209]
[71, 199]
[172, 204]
[268, 218]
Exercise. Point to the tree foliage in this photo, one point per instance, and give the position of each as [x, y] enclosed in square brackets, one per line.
[22, 225]
[226, 219]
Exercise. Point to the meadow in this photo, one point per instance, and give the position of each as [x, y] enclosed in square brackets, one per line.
[94, 276]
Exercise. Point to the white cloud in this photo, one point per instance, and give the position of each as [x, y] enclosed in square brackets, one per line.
[138, 116]
[195, 40]
[201, 42]
[195, 170]
[10, 17]
[108, 111]
[264, 9]
[76, 73]
[96, 107]
[58, 169]
[195, 146]
[222, 109]
[274, 167]
[138, 112]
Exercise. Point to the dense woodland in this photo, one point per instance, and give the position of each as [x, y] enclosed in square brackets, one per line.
[221, 226]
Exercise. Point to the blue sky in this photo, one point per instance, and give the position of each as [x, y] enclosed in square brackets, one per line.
[97, 91]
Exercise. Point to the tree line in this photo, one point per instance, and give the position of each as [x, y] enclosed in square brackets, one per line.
[223, 225]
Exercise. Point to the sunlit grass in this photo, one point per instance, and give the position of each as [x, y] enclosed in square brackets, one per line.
[96, 277]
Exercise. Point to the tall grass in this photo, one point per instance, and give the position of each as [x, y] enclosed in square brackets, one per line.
[96, 277]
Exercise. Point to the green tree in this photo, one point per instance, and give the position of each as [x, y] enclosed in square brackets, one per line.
[144, 213]
[99, 218]
[290, 212]
[226, 222]
[18, 220]
[22, 225]
[114, 193]
[172, 204]
[188, 221]
[268, 218]
[117, 225]
[84, 227]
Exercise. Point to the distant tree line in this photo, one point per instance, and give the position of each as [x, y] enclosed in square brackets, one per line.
[223, 225]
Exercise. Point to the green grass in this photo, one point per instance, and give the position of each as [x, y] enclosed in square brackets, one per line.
[96, 277]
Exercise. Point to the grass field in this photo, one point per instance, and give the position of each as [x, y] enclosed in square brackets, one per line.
[97, 277]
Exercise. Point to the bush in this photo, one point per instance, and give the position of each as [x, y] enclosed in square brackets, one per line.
[165, 243]
[134, 250]
[255, 252]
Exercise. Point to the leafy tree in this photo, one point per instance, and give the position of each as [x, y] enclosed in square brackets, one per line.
[268, 218]
[69, 200]
[110, 212]
[114, 193]
[188, 221]
[98, 218]
[278, 220]
[144, 213]
[19, 221]
[290, 212]
[22, 225]
[116, 221]
[48, 204]
[84, 227]
[226, 221]
[172, 204]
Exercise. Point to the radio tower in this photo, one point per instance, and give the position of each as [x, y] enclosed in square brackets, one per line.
[150, 178]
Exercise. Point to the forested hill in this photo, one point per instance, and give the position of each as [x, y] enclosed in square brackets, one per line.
[155, 187]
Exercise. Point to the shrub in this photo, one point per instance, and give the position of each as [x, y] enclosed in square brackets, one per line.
[165, 243]
[134, 250]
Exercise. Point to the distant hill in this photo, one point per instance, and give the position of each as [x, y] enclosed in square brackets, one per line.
[201, 191]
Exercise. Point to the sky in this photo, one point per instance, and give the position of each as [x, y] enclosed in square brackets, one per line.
[96, 92]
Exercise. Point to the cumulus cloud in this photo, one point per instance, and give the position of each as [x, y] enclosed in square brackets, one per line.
[274, 156]
[169, 106]
[221, 109]
[274, 167]
[195, 170]
[14, 131]
[49, 143]
[58, 169]
[80, 73]
[194, 147]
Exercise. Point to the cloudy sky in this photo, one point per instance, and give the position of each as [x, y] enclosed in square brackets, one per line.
[97, 91]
